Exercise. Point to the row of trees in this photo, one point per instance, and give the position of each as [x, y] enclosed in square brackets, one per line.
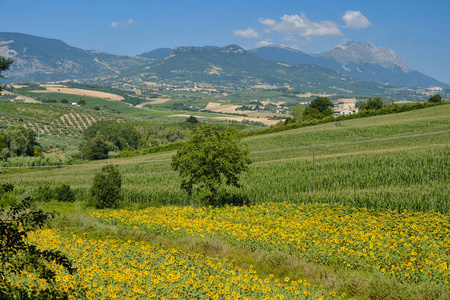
[109, 135]
[321, 107]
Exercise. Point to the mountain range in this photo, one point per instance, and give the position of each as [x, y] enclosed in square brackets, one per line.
[350, 67]
[363, 60]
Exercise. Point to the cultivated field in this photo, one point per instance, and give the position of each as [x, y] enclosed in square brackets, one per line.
[371, 222]
[51, 88]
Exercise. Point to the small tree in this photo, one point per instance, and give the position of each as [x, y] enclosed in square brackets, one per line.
[210, 159]
[435, 99]
[192, 120]
[106, 187]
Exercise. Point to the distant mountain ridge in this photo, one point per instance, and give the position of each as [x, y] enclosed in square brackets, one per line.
[233, 65]
[363, 60]
[44, 59]
[337, 71]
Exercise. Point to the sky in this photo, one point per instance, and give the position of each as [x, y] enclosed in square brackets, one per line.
[418, 31]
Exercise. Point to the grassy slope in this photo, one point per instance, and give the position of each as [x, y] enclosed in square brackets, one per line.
[396, 173]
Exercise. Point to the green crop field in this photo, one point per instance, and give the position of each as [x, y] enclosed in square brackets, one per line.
[399, 162]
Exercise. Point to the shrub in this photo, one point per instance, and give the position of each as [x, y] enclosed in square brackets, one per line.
[44, 193]
[106, 187]
[64, 193]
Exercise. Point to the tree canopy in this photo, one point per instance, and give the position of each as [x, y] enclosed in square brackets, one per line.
[321, 104]
[319, 108]
[18, 141]
[209, 160]
[435, 99]
[372, 103]
[297, 112]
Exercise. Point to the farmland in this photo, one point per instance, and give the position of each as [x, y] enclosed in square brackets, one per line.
[376, 212]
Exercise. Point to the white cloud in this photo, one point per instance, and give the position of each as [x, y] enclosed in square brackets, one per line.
[115, 24]
[121, 24]
[268, 22]
[355, 20]
[300, 25]
[248, 33]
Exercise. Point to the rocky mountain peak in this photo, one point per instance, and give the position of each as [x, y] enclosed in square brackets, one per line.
[366, 53]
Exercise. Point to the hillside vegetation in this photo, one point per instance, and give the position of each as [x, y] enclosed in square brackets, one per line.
[377, 162]
[373, 225]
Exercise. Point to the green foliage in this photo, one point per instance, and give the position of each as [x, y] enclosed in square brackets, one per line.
[94, 149]
[321, 104]
[319, 108]
[122, 135]
[106, 187]
[62, 193]
[44, 193]
[372, 103]
[18, 256]
[435, 99]
[192, 120]
[208, 160]
[18, 141]
[297, 112]
[81, 102]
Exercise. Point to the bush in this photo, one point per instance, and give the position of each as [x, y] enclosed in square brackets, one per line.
[106, 187]
[44, 194]
[64, 193]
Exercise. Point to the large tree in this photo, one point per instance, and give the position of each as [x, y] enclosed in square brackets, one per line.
[210, 160]
[4, 65]
[322, 104]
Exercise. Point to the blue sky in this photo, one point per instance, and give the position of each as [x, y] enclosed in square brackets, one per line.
[418, 31]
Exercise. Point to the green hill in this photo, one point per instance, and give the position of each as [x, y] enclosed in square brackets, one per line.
[377, 162]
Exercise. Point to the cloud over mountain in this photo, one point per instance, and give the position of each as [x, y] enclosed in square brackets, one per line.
[355, 20]
[248, 33]
[301, 25]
